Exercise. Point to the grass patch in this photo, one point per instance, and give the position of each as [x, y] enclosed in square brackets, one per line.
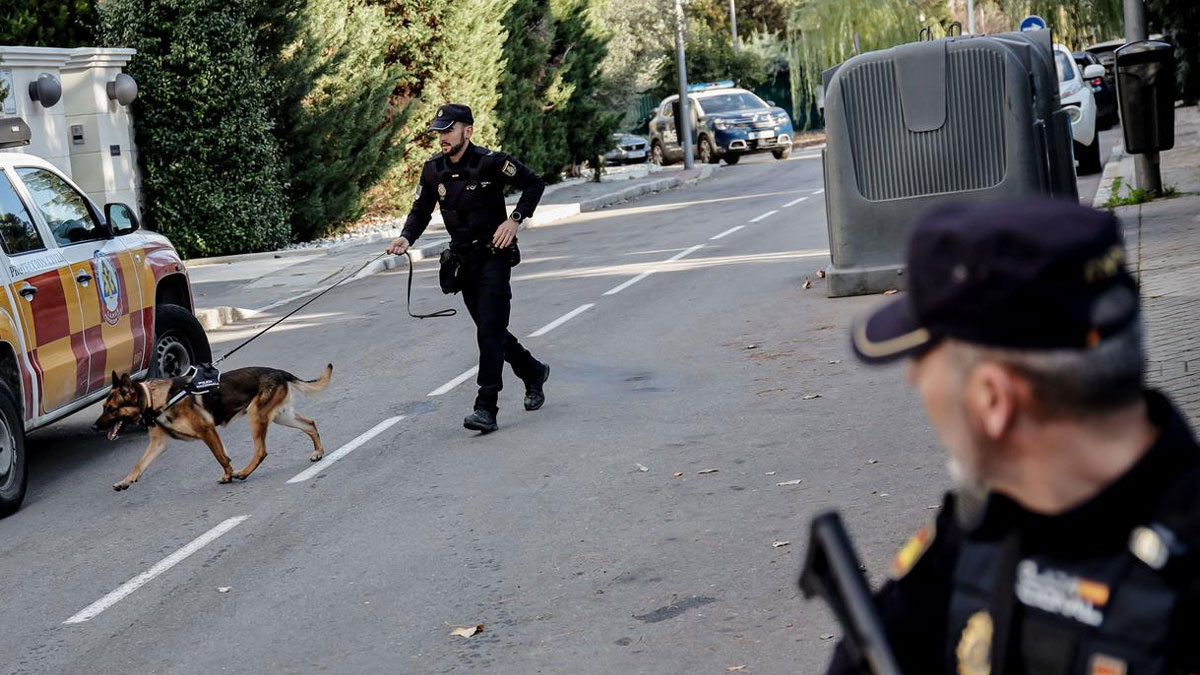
[1134, 196]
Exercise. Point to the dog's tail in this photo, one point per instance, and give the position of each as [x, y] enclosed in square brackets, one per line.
[314, 386]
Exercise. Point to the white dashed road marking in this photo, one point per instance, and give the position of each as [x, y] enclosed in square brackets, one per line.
[561, 320]
[764, 216]
[683, 254]
[629, 282]
[455, 382]
[794, 202]
[94, 609]
[726, 233]
[346, 449]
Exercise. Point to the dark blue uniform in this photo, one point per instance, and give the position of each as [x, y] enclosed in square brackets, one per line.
[470, 195]
[1111, 587]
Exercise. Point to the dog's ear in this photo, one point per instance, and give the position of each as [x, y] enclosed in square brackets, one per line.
[116, 380]
[126, 381]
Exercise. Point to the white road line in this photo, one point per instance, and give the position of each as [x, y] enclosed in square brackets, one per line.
[819, 191]
[726, 233]
[94, 609]
[628, 283]
[346, 449]
[455, 382]
[794, 202]
[683, 254]
[768, 214]
[561, 320]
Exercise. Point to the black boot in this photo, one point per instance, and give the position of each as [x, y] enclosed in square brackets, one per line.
[481, 420]
[534, 396]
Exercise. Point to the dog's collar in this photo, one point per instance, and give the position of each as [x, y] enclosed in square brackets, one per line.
[149, 414]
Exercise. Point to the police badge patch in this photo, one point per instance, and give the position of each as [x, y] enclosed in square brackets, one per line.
[974, 652]
[442, 190]
[509, 169]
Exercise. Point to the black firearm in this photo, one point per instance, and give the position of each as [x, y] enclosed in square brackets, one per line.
[832, 571]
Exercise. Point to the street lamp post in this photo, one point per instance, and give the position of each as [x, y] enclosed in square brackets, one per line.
[971, 16]
[683, 124]
[1145, 166]
[733, 23]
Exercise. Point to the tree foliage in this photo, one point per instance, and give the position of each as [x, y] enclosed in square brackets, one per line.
[1179, 21]
[212, 172]
[709, 57]
[48, 23]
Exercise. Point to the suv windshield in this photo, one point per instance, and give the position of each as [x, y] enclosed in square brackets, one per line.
[732, 102]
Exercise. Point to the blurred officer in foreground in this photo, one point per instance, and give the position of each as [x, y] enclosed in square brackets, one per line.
[467, 183]
[1072, 544]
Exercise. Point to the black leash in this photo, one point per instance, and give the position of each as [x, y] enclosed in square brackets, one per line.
[285, 317]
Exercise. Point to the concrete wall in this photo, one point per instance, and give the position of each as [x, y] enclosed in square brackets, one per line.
[18, 67]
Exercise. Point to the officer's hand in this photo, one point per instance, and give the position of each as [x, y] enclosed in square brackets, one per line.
[504, 234]
[398, 246]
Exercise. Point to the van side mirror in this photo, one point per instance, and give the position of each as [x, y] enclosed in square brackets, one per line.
[1092, 71]
[770, 102]
[121, 219]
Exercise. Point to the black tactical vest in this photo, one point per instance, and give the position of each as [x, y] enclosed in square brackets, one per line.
[1081, 616]
[471, 200]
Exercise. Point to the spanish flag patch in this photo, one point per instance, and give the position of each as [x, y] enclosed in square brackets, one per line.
[913, 549]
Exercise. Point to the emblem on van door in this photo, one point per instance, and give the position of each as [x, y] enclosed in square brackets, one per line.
[108, 287]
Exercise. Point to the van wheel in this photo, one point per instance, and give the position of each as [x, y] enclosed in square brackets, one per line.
[14, 468]
[732, 159]
[782, 154]
[179, 342]
[1089, 157]
[707, 154]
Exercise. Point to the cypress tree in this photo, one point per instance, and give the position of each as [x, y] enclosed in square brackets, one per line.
[587, 125]
[212, 173]
[525, 131]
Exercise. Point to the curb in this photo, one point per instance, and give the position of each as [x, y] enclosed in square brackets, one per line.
[216, 317]
[1112, 171]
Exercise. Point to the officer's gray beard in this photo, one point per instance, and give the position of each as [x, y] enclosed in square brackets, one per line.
[970, 494]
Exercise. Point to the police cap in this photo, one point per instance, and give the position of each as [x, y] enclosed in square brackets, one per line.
[1033, 274]
[447, 115]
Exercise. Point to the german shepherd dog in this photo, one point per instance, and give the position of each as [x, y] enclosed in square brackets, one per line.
[263, 394]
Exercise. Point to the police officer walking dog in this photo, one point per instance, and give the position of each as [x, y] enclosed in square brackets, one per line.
[467, 183]
[1073, 544]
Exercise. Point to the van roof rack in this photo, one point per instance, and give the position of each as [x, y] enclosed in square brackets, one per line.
[14, 132]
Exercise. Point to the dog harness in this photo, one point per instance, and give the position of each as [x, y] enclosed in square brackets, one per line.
[198, 380]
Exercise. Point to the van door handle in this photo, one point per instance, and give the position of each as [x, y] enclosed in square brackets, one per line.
[83, 277]
[27, 290]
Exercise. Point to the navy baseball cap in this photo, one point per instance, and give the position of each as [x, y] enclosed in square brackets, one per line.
[447, 115]
[1035, 274]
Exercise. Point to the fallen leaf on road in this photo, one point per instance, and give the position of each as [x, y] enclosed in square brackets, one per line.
[807, 284]
[770, 473]
[826, 637]
[835, 362]
[809, 397]
[777, 544]
[735, 669]
[872, 461]
[465, 631]
[884, 494]
[224, 589]
[708, 471]
[678, 474]
[789, 482]
[751, 346]
[642, 467]
[891, 292]
[821, 273]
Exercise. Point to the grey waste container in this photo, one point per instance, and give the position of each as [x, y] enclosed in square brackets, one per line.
[1146, 91]
[915, 126]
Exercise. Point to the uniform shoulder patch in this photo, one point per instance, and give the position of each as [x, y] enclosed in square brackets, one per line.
[916, 546]
[508, 169]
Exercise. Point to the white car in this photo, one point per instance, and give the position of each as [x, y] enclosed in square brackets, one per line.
[1076, 96]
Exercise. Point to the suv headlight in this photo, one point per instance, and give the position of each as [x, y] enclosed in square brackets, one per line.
[722, 126]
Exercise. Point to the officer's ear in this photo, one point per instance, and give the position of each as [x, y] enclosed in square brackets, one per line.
[467, 131]
[992, 395]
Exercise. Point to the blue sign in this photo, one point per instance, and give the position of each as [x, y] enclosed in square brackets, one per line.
[1033, 22]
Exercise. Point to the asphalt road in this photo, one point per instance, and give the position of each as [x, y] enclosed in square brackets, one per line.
[646, 520]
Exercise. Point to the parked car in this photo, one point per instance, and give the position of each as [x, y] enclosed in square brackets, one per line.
[1076, 96]
[727, 123]
[86, 293]
[627, 149]
[1103, 91]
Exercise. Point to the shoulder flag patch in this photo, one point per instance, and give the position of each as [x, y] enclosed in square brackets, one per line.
[509, 169]
[908, 555]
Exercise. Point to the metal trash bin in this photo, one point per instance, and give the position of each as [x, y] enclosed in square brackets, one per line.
[923, 124]
[1146, 92]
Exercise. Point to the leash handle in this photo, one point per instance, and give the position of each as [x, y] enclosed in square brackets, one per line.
[433, 315]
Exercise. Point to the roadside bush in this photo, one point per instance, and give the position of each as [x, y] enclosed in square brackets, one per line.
[212, 172]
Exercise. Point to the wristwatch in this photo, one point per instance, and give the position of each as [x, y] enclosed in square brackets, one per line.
[516, 217]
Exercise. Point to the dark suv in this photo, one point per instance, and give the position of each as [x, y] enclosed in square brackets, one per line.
[727, 122]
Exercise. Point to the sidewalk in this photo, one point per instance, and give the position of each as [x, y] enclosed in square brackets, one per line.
[1163, 239]
[232, 288]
